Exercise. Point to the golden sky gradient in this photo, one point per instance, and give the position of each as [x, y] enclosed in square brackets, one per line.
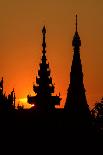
[21, 22]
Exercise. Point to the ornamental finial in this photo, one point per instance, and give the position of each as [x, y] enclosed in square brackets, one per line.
[76, 39]
[44, 30]
[76, 23]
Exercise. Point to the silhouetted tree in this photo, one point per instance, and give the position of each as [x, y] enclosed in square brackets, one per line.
[97, 114]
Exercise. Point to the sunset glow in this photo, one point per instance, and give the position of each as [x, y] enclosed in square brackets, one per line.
[21, 44]
[23, 102]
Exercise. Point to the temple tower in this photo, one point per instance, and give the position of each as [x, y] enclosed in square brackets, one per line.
[76, 103]
[44, 87]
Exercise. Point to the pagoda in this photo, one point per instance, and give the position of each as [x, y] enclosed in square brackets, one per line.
[6, 102]
[44, 101]
[76, 103]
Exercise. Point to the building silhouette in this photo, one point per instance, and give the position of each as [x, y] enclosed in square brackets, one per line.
[6, 102]
[44, 101]
[76, 103]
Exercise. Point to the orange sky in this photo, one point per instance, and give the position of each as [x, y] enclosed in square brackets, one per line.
[21, 38]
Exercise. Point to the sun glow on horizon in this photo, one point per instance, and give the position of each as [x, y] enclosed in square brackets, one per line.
[21, 45]
[23, 102]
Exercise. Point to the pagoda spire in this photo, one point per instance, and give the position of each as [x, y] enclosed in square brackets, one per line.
[76, 23]
[44, 87]
[76, 43]
[76, 103]
[44, 43]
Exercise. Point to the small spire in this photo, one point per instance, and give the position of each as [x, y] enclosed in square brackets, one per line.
[44, 43]
[76, 39]
[44, 30]
[76, 23]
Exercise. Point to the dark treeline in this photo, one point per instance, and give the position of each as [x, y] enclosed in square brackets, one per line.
[31, 130]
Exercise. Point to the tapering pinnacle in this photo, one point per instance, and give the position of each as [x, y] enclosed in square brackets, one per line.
[44, 43]
[44, 30]
[76, 23]
[76, 39]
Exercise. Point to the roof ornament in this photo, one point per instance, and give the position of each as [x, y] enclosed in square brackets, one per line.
[76, 23]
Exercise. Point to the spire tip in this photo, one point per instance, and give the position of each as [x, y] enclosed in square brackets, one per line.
[44, 30]
[76, 23]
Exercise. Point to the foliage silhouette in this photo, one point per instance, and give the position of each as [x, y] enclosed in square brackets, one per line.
[97, 114]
